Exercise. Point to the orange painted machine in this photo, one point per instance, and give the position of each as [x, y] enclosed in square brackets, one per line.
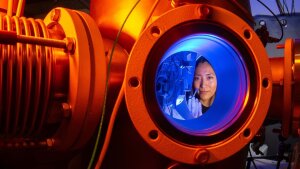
[113, 88]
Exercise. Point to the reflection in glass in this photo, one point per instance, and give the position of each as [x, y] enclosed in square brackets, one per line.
[185, 85]
[201, 84]
[204, 88]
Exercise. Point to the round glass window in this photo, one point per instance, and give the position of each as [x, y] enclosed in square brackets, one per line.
[201, 84]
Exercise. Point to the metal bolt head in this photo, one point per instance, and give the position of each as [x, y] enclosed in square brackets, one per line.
[202, 156]
[175, 3]
[55, 15]
[66, 108]
[70, 45]
[205, 11]
[50, 142]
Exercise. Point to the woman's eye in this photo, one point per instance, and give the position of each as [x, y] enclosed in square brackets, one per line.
[196, 78]
[210, 77]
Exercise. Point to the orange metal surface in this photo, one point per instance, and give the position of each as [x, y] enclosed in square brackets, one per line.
[28, 67]
[276, 105]
[52, 75]
[117, 69]
[87, 72]
[12, 7]
[296, 89]
[287, 87]
[285, 98]
[110, 14]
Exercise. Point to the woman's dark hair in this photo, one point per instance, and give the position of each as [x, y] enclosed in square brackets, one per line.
[201, 59]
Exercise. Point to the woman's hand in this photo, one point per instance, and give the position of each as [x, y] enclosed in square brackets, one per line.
[194, 106]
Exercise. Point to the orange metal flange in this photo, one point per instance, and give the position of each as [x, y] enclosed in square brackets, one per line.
[287, 87]
[291, 110]
[87, 74]
[285, 99]
[136, 74]
[296, 93]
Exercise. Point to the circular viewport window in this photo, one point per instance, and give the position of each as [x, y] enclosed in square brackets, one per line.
[201, 84]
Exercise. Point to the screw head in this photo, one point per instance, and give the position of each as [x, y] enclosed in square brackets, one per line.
[50, 142]
[205, 11]
[55, 15]
[66, 108]
[202, 156]
[70, 45]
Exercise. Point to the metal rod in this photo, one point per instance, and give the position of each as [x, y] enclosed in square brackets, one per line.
[10, 7]
[11, 37]
[20, 8]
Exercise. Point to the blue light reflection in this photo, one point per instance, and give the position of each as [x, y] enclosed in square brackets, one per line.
[174, 79]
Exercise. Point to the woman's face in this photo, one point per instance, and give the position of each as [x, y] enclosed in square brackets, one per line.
[205, 80]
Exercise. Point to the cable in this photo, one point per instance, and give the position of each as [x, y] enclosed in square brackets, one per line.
[252, 159]
[173, 165]
[110, 127]
[108, 134]
[20, 8]
[283, 7]
[280, 8]
[287, 8]
[150, 14]
[275, 17]
[293, 8]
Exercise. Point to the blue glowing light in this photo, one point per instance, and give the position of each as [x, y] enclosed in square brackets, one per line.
[174, 79]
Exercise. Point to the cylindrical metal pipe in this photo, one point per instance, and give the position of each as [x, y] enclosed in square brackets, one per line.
[285, 103]
[296, 89]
